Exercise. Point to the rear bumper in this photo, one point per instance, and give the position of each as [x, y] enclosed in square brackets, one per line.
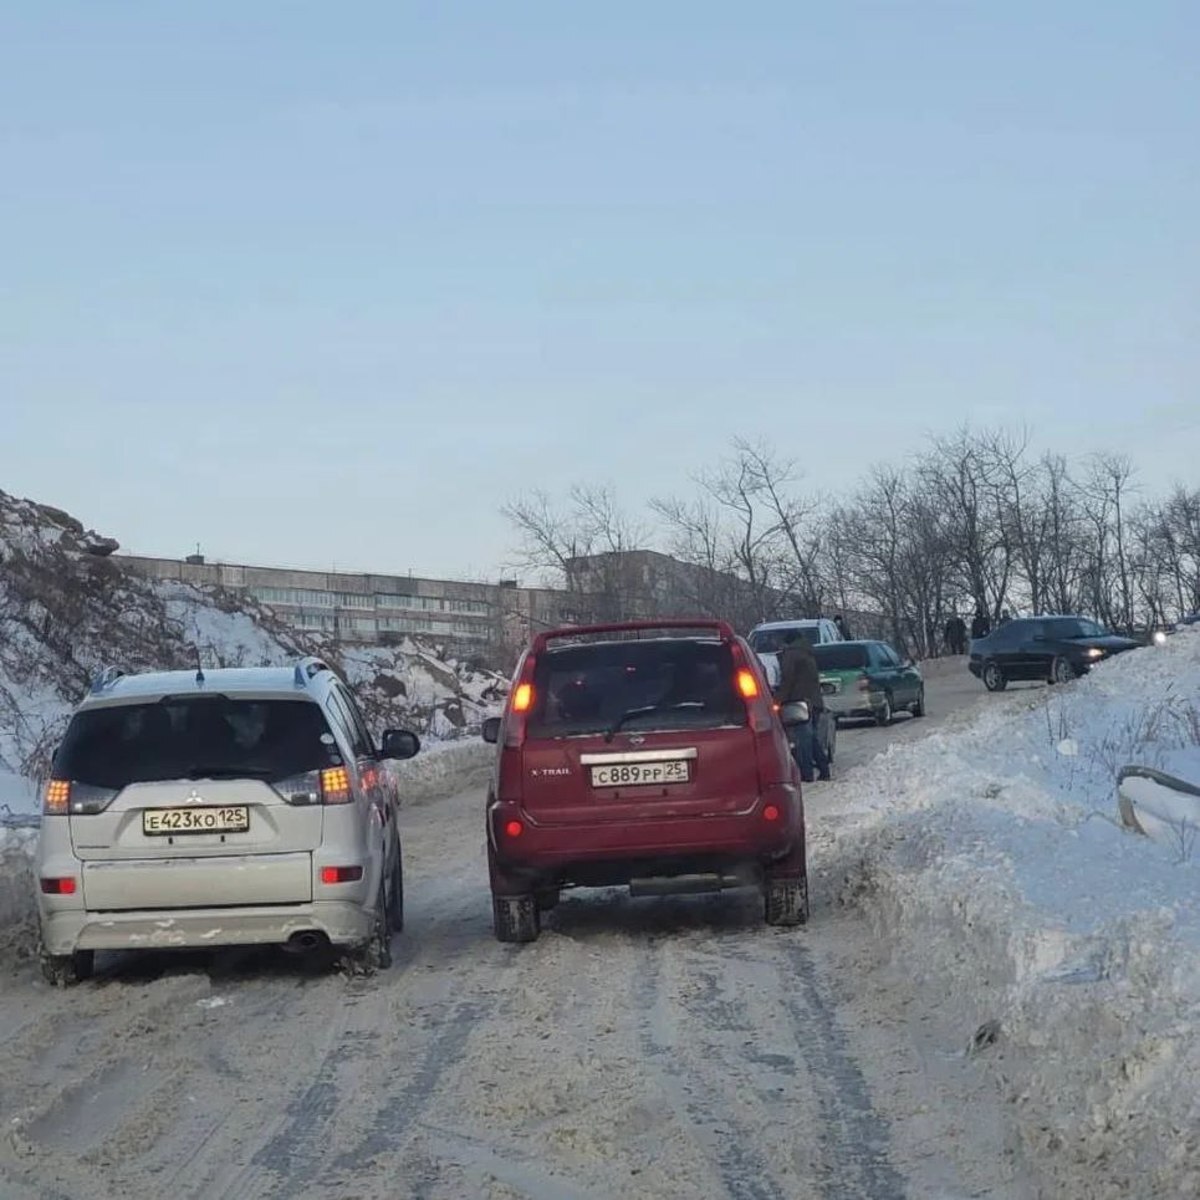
[670, 843]
[854, 704]
[65, 931]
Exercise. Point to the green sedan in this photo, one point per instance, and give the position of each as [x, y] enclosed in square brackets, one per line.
[868, 679]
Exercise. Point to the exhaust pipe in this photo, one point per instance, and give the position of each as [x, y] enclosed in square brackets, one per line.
[305, 942]
[684, 885]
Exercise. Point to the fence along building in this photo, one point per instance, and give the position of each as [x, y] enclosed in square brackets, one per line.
[472, 620]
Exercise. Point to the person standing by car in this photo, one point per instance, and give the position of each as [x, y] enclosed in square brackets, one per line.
[980, 626]
[800, 679]
[842, 628]
[956, 635]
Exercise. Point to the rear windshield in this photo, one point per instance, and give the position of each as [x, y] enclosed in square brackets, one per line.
[770, 641]
[661, 684]
[212, 737]
[840, 656]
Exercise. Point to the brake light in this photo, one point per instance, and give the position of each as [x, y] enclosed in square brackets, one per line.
[335, 786]
[333, 875]
[747, 684]
[520, 704]
[513, 829]
[57, 797]
[59, 887]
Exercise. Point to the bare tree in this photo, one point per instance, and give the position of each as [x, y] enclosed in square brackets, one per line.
[581, 545]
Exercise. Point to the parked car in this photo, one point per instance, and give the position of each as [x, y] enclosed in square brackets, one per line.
[646, 755]
[1053, 648]
[869, 679]
[228, 807]
[767, 640]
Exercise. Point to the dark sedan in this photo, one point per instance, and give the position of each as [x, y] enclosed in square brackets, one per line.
[1056, 649]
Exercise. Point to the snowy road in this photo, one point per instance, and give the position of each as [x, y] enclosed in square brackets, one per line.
[661, 1048]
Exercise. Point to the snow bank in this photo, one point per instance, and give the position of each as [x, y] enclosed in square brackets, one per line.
[991, 859]
[18, 914]
[444, 769]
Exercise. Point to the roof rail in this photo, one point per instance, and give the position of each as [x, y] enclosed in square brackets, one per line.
[106, 678]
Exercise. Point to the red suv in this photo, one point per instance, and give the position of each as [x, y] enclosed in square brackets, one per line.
[641, 754]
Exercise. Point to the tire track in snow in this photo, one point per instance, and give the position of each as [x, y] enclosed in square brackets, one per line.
[853, 1133]
[743, 1173]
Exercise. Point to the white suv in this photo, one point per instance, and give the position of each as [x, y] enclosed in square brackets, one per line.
[767, 640]
[233, 807]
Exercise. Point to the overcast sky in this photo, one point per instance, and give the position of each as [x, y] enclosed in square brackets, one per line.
[317, 284]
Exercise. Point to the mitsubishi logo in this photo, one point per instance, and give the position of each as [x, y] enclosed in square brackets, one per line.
[193, 797]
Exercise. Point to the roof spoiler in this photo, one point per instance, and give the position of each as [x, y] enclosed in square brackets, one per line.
[306, 668]
[722, 629]
[105, 679]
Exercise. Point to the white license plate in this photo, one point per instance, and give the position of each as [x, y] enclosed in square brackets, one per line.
[158, 821]
[639, 774]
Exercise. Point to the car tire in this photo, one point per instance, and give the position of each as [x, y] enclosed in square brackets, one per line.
[515, 918]
[883, 715]
[1061, 670]
[918, 707]
[547, 899]
[993, 678]
[396, 904]
[785, 901]
[66, 970]
[374, 954]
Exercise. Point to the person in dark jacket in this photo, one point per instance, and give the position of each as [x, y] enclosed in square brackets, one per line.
[956, 635]
[800, 679]
[981, 626]
[843, 628]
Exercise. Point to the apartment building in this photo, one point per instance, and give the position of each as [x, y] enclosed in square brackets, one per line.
[485, 621]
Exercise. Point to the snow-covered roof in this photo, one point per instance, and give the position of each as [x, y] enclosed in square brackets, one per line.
[247, 681]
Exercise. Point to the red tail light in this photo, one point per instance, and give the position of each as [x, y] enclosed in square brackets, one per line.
[771, 813]
[331, 875]
[513, 829]
[520, 704]
[59, 887]
[747, 684]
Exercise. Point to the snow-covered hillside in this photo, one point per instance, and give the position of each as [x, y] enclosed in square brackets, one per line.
[67, 610]
[992, 859]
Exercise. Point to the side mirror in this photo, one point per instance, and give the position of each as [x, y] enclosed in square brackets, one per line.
[491, 730]
[399, 744]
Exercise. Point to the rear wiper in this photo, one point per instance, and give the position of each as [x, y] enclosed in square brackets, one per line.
[644, 711]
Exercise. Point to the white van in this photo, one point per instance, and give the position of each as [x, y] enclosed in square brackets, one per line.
[766, 640]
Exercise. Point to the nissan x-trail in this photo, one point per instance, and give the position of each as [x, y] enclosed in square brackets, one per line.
[641, 755]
